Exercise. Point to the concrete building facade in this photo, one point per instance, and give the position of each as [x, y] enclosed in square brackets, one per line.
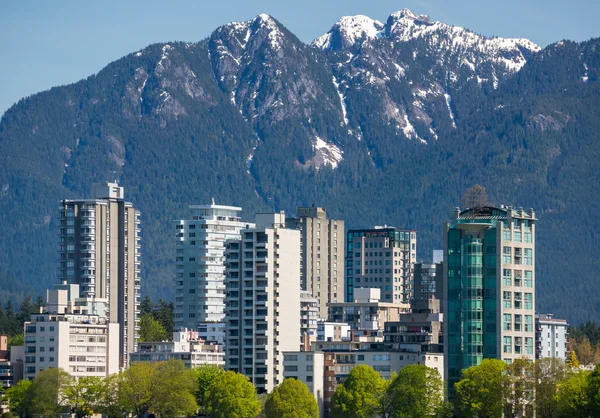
[381, 258]
[99, 250]
[200, 267]
[551, 337]
[309, 317]
[73, 334]
[428, 280]
[262, 313]
[489, 287]
[322, 250]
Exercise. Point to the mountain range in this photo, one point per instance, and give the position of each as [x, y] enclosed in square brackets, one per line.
[381, 123]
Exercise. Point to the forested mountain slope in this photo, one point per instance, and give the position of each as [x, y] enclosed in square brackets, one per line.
[380, 123]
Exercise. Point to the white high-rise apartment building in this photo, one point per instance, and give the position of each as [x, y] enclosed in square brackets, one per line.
[73, 334]
[263, 300]
[100, 251]
[550, 337]
[322, 249]
[200, 268]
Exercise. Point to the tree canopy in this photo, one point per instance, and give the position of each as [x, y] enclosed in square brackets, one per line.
[291, 399]
[233, 396]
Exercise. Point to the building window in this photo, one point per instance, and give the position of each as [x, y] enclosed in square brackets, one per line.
[507, 277]
[506, 297]
[518, 322]
[528, 257]
[518, 278]
[527, 237]
[529, 301]
[528, 278]
[518, 345]
[506, 235]
[506, 255]
[528, 323]
[507, 322]
[507, 345]
[518, 300]
[517, 236]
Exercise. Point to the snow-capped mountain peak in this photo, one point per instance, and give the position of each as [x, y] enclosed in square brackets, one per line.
[348, 31]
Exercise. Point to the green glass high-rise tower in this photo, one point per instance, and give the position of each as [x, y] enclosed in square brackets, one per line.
[488, 288]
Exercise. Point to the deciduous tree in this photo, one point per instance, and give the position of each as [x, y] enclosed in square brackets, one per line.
[48, 391]
[572, 360]
[205, 376]
[572, 396]
[84, 395]
[291, 399]
[417, 391]
[475, 198]
[480, 392]
[593, 391]
[360, 395]
[135, 388]
[549, 373]
[173, 390]
[232, 395]
[518, 393]
[19, 397]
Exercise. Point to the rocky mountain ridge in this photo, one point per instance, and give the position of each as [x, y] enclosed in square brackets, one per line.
[379, 122]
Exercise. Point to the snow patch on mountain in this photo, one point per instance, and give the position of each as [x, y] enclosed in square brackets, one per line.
[409, 130]
[342, 100]
[448, 100]
[399, 71]
[326, 153]
[585, 77]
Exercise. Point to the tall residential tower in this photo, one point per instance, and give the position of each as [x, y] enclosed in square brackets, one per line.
[488, 287]
[100, 251]
[322, 249]
[263, 300]
[200, 268]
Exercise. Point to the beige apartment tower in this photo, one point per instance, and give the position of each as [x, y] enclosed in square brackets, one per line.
[322, 250]
[99, 245]
[262, 304]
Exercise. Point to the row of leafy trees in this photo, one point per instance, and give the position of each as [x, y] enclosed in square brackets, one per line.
[548, 388]
[166, 389]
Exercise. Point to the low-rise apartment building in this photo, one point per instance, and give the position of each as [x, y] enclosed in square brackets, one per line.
[185, 346]
[73, 334]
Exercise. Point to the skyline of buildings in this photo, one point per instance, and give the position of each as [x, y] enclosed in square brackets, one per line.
[252, 296]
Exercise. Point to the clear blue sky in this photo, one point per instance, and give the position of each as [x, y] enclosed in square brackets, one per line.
[46, 43]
